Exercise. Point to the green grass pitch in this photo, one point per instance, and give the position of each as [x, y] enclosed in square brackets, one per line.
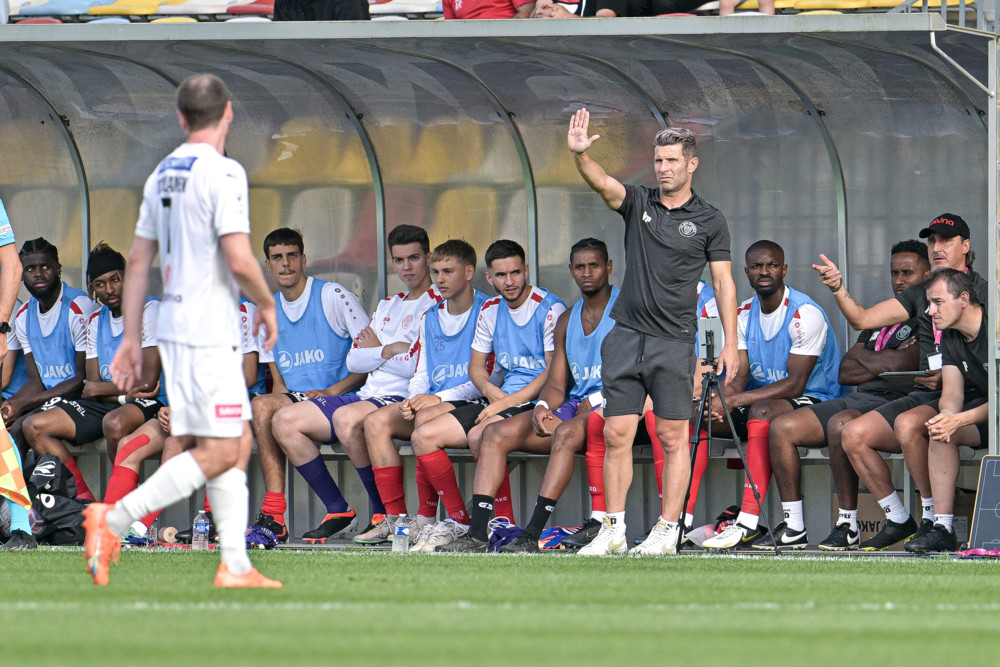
[383, 608]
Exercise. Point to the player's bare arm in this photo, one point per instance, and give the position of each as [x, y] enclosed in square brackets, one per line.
[861, 365]
[10, 283]
[543, 420]
[523, 395]
[951, 416]
[578, 140]
[882, 314]
[799, 367]
[481, 377]
[725, 298]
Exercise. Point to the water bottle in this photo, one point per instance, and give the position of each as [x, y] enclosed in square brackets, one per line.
[151, 532]
[401, 534]
[199, 532]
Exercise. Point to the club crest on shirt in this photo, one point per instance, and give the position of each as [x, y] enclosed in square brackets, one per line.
[687, 229]
[407, 321]
[903, 332]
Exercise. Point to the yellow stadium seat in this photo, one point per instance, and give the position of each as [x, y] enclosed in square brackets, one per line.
[808, 5]
[131, 7]
[461, 210]
[754, 5]
[917, 6]
[113, 212]
[175, 19]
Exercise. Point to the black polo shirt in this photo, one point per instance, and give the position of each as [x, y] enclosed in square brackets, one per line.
[665, 254]
[894, 336]
[914, 299]
[971, 357]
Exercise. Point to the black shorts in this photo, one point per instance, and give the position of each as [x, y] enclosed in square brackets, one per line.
[914, 399]
[296, 396]
[467, 412]
[88, 416]
[861, 401]
[635, 365]
[741, 415]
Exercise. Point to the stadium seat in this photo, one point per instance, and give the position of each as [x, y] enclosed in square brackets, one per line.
[407, 7]
[16, 6]
[60, 8]
[195, 7]
[259, 7]
[40, 20]
[917, 5]
[110, 19]
[232, 18]
[131, 7]
[820, 12]
[753, 5]
[175, 19]
[807, 5]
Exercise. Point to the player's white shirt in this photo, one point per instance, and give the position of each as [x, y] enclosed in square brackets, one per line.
[483, 342]
[395, 319]
[79, 314]
[343, 311]
[193, 198]
[420, 382]
[149, 313]
[807, 331]
[248, 342]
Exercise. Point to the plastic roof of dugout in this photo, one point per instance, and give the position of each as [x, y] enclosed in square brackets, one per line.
[834, 134]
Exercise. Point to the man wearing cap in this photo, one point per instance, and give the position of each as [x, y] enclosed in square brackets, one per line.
[948, 246]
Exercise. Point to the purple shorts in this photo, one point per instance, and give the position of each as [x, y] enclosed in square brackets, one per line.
[567, 410]
[329, 404]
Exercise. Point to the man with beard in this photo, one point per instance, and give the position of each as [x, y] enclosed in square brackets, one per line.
[52, 331]
[788, 360]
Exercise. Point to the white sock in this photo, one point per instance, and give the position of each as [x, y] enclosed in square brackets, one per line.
[688, 520]
[667, 524]
[927, 507]
[597, 515]
[617, 521]
[748, 520]
[945, 520]
[893, 508]
[850, 517]
[793, 515]
[174, 480]
[230, 500]
[139, 527]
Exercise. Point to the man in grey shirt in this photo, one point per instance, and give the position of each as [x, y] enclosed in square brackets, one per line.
[670, 234]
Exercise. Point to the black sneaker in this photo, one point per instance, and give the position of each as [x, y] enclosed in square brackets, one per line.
[841, 539]
[891, 533]
[521, 545]
[280, 530]
[938, 538]
[924, 528]
[332, 524]
[184, 536]
[584, 536]
[20, 541]
[785, 537]
[467, 544]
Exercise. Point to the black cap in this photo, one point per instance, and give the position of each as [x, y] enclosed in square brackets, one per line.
[947, 225]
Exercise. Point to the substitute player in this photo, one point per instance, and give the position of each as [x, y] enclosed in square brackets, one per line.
[194, 213]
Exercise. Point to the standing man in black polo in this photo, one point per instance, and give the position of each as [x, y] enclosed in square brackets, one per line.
[670, 234]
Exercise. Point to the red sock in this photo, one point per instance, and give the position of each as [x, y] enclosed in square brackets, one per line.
[121, 483]
[502, 503]
[650, 419]
[441, 475]
[389, 480]
[207, 505]
[594, 458]
[148, 520]
[82, 490]
[274, 505]
[426, 495]
[758, 464]
[700, 465]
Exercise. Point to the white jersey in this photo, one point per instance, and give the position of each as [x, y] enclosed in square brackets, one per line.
[342, 309]
[483, 341]
[395, 320]
[807, 331]
[420, 382]
[248, 342]
[194, 198]
[149, 313]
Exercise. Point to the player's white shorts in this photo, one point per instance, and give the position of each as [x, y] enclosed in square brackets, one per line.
[206, 389]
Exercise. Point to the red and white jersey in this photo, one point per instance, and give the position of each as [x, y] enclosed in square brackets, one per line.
[149, 314]
[396, 319]
[80, 310]
[420, 382]
[483, 342]
[248, 342]
[807, 329]
[194, 198]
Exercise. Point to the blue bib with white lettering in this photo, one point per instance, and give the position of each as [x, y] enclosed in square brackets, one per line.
[447, 357]
[769, 358]
[309, 354]
[107, 345]
[55, 354]
[583, 352]
[520, 351]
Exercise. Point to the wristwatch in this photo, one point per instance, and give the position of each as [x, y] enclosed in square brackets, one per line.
[4, 327]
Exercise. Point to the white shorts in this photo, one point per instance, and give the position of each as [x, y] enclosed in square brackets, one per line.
[206, 389]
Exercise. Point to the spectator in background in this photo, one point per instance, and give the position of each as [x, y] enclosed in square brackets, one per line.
[487, 9]
[550, 9]
[321, 10]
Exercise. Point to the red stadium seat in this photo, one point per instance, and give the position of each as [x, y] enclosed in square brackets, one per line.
[260, 7]
[39, 20]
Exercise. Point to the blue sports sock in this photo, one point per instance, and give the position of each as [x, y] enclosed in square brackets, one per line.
[18, 515]
[367, 476]
[318, 477]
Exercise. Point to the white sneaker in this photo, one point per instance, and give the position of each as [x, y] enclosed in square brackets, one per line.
[734, 536]
[661, 541]
[610, 540]
[445, 532]
[425, 532]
